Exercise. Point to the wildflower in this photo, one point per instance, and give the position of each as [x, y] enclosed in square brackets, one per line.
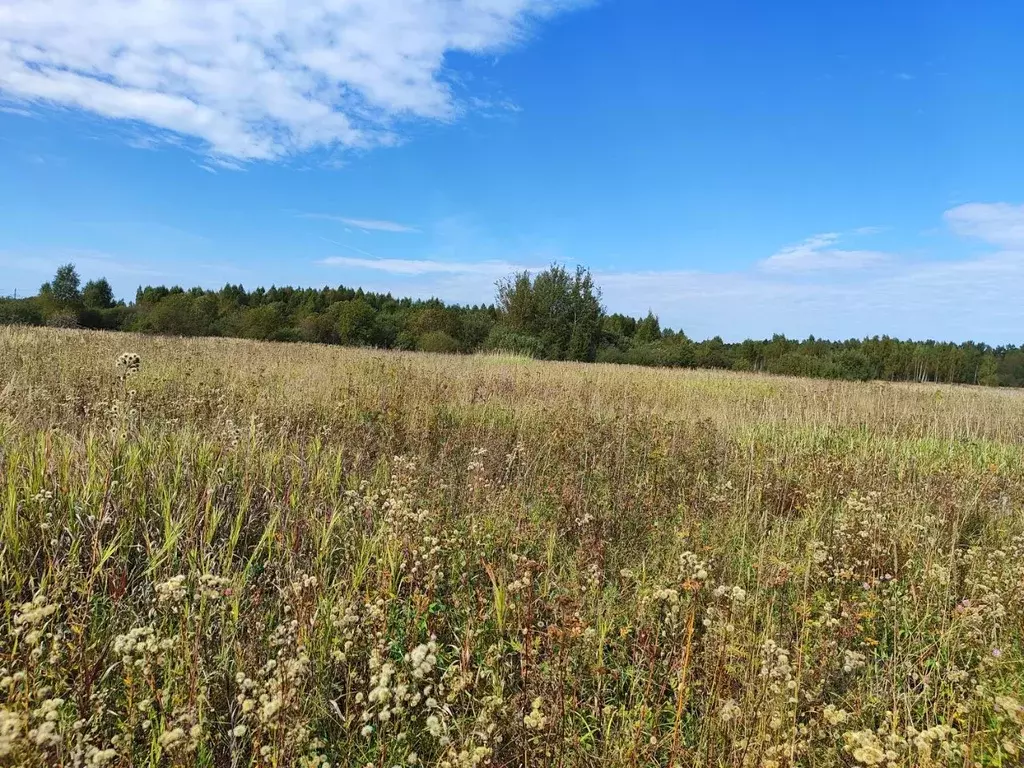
[853, 660]
[1011, 707]
[730, 711]
[835, 716]
[35, 612]
[103, 756]
[819, 552]
[173, 590]
[536, 719]
[238, 731]
[169, 738]
[12, 725]
[926, 739]
[433, 726]
[865, 747]
[45, 734]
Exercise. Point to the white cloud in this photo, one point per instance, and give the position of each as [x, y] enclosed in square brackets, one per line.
[255, 80]
[816, 253]
[958, 299]
[377, 225]
[1000, 224]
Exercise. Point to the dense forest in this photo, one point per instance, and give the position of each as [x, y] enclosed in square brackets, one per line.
[554, 315]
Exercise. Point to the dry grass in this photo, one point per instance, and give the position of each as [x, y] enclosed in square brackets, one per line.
[250, 554]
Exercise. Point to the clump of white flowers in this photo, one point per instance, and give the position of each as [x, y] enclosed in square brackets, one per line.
[402, 689]
[834, 715]
[141, 647]
[45, 733]
[866, 748]
[730, 711]
[853, 660]
[270, 703]
[422, 659]
[1010, 707]
[174, 590]
[535, 719]
[939, 739]
[34, 612]
[692, 569]
[12, 730]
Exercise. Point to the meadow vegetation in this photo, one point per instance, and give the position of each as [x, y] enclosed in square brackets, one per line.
[221, 552]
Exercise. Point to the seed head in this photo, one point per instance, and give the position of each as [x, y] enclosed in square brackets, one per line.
[128, 364]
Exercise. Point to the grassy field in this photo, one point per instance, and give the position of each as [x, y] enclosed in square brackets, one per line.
[250, 554]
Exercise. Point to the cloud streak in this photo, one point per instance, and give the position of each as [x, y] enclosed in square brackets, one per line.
[257, 81]
[816, 254]
[492, 269]
[375, 225]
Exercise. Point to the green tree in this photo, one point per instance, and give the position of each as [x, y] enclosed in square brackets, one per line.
[174, 316]
[318, 328]
[355, 323]
[64, 289]
[20, 312]
[648, 329]
[438, 341]
[617, 331]
[561, 310]
[263, 322]
[98, 294]
[988, 371]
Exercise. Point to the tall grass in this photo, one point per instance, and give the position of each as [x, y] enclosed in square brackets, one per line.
[248, 554]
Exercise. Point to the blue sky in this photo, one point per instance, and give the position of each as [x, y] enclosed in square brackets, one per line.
[740, 168]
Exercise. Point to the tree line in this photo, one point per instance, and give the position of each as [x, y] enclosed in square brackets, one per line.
[556, 314]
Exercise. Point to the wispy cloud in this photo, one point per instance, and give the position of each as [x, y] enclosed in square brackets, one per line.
[147, 233]
[7, 110]
[492, 269]
[257, 81]
[376, 225]
[817, 253]
[1000, 224]
[44, 262]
